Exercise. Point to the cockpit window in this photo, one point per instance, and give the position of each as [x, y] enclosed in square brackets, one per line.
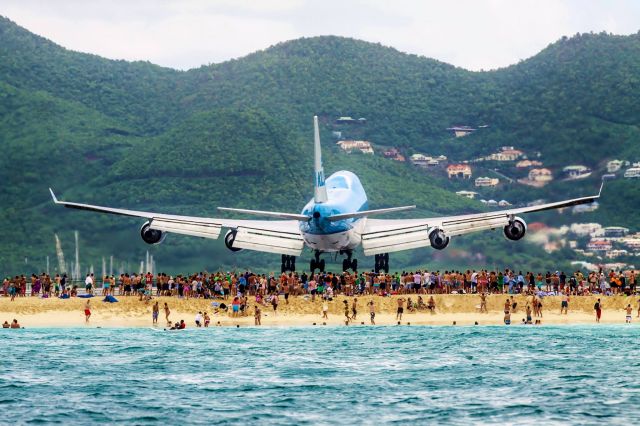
[337, 182]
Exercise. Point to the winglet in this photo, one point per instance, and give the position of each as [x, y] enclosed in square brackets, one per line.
[55, 200]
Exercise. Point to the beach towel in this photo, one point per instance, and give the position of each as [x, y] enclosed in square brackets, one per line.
[64, 296]
[109, 298]
[85, 296]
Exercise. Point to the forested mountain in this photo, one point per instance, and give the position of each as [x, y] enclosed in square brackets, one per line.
[238, 134]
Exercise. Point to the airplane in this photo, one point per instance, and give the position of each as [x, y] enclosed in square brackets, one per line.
[336, 220]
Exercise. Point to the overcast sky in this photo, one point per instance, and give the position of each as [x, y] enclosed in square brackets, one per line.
[474, 34]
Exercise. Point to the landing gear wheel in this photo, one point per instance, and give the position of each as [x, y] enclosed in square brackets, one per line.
[382, 263]
[354, 265]
[321, 265]
[345, 265]
[288, 263]
[312, 266]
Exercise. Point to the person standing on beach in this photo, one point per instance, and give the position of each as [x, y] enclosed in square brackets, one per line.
[372, 312]
[564, 305]
[400, 309]
[629, 309]
[354, 308]
[346, 312]
[257, 315]
[483, 302]
[166, 313]
[156, 310]
[598, 308]
[87, 311]
[325, 310]
[274, 303]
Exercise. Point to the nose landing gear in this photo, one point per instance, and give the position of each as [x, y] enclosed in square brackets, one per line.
[349, 263]
[317, 263]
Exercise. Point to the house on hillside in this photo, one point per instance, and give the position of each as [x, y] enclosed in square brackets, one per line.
[633, 172]
[459, 171]
[362, 146]
[576, 172]
[469, 194]
[504, 203]
[486, 182]
[584, 229]
[611, 254]
[393, 154]
[615, 231]
[523, 164]
[540, 175]
[585, 208]
[461, 131]
[507, 153]
[599, 245]
[614, 166]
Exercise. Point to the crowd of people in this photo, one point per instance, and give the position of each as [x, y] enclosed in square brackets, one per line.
[228, 284]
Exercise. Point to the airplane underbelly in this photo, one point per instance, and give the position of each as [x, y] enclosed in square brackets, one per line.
[347, 240]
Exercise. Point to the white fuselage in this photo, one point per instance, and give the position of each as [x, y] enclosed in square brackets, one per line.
[345, 194]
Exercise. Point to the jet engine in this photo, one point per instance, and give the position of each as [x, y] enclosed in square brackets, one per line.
[151, 236]
[229, 238]
[516, 229]
[439, 239]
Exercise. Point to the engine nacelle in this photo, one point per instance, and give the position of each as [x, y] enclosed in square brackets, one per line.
[229, 238]
[516, 229]
[439, 239]
[151, 236]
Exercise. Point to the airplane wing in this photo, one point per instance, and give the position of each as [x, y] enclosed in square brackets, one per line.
[390, 235]
[271, 236]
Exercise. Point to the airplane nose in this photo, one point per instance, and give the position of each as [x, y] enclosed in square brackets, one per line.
[316, 215]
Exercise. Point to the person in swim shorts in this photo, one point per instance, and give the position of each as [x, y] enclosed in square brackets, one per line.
[400, 309]
[629, 309]
[87, 311]
[598, 308]
[155, 312]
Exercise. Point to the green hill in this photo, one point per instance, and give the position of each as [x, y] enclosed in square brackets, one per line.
[238, 134]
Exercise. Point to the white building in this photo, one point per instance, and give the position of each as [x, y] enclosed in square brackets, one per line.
[614, 166]
[576, 172]
[362, 146]
[486, 182]
[469, 194]
[584, 229]
[585, 208]
[633, 172]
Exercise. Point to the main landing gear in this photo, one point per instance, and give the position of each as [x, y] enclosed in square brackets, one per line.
[349, 263]
[382, 263]
[288, 263]
[317, 263]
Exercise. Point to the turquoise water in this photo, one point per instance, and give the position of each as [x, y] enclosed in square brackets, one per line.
[355, 375]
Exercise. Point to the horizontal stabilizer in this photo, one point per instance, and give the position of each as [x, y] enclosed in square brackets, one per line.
[290, 216]
[366, 213]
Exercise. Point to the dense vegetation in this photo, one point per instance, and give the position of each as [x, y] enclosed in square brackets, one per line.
[238, 134]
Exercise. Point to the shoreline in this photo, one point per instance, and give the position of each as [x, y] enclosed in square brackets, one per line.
[34, 312]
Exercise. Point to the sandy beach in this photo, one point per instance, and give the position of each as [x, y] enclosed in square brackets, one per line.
[301, 311]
